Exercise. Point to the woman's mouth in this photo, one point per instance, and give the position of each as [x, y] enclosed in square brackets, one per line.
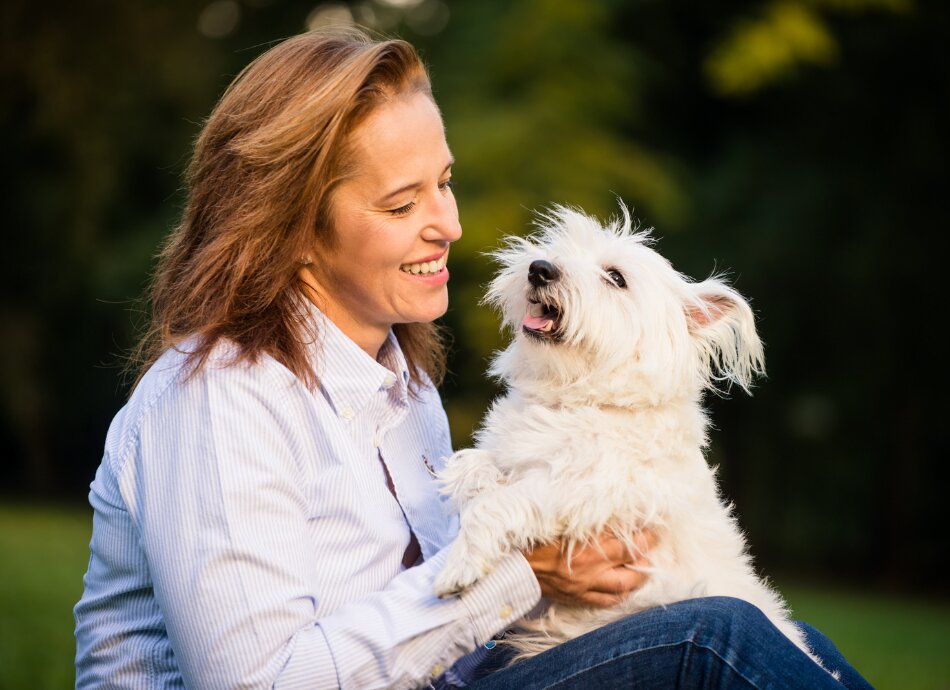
[425, 267]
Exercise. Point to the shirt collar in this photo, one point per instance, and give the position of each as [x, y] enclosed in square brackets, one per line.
[348, 376]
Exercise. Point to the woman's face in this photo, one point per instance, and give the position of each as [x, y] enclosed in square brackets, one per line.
[393, 222]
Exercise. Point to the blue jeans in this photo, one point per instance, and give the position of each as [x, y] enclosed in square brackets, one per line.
[715, 642]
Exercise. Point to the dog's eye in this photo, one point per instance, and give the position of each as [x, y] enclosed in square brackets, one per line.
[617, 277]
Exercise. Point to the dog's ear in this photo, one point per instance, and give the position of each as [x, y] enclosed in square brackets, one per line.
[722, 328]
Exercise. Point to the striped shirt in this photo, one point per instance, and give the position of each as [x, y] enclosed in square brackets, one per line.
[244, 534]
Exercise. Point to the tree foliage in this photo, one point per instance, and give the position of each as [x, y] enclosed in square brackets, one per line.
[798, 143]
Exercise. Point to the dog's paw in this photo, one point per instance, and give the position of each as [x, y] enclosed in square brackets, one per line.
[468, 473]
[451, 583]
[458, 575]
[446, 587]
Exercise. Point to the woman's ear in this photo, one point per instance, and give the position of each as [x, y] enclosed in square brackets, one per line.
[722, 328]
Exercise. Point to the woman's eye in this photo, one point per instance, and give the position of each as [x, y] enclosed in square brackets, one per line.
[617, 277]
[446, 185]
[402, 210]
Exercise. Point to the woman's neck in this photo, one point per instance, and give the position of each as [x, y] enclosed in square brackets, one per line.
[369, 337]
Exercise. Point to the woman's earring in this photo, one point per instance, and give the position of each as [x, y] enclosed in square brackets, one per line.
[305, 260]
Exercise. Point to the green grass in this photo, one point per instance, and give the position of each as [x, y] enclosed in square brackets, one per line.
[900, 642]
[43, 555]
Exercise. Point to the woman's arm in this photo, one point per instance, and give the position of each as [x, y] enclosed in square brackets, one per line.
[219, 494]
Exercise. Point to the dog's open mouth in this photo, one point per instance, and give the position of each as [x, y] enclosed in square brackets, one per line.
[542, 321]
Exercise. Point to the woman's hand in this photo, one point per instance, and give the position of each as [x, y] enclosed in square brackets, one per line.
[595, 576]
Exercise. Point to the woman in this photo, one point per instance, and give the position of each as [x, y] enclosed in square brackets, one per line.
[265, 511]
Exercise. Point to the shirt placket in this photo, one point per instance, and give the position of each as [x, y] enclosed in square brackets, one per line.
[390, 414]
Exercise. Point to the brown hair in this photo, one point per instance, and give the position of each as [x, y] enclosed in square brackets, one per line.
[260, 187]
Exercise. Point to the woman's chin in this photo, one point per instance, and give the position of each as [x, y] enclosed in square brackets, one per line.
[428, 312]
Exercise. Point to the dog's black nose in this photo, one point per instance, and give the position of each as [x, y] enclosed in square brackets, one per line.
[542, 272]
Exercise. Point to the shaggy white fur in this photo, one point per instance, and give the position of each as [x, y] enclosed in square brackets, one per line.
[602, 426]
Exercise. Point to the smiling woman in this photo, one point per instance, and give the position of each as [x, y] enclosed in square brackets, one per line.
[319, 118]
[266, 513]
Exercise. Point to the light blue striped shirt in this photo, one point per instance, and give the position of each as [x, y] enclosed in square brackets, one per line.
[244, 534]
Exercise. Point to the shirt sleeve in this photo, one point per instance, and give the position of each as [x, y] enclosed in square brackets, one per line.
[218, 491]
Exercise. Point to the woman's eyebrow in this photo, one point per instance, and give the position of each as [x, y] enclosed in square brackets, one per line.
[413, 185]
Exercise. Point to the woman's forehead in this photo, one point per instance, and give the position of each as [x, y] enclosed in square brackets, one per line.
[400, 132]
[400, 127]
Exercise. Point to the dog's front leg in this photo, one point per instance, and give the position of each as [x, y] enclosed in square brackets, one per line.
[468, 473]
[492, 525]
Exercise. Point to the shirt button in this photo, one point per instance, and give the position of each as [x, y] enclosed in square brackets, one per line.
[347, 412]
[389, 380]
[506, 611]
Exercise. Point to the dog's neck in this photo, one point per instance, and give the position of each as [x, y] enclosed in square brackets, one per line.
[568, 399]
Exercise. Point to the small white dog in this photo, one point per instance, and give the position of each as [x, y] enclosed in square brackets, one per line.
[602, 427]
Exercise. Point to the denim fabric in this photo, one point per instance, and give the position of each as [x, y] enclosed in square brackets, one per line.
[714, 642]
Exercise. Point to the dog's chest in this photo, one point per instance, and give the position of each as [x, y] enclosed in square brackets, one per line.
[589, 442]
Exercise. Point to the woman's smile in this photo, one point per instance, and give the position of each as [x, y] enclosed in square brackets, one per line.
[430, 270]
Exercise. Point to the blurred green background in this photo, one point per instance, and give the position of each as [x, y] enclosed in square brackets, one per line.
[799, 144]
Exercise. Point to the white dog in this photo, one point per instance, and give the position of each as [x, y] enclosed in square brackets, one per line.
[602, 427]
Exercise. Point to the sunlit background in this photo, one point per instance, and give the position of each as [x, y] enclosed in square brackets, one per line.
[798, 144]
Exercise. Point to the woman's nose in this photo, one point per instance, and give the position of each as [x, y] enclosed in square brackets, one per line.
[443, 225]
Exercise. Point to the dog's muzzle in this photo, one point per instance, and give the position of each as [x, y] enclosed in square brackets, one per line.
[542, 321]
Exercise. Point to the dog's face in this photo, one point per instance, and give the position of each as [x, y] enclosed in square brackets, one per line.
[598, 306]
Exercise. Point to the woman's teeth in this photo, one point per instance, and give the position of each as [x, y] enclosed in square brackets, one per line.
[425, 267]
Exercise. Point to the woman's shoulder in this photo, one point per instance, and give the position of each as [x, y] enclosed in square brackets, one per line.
[178, 370]
[177, 381]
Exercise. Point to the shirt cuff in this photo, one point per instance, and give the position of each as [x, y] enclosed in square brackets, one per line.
[501, 598]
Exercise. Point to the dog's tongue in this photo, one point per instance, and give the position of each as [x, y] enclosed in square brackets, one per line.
[537, 323]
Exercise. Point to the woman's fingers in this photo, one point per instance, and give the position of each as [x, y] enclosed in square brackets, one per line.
[545, 557]
[644, 541]
[618, 581]
[598, 574]
[598, 599]
[611, 587]
[615, 550]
